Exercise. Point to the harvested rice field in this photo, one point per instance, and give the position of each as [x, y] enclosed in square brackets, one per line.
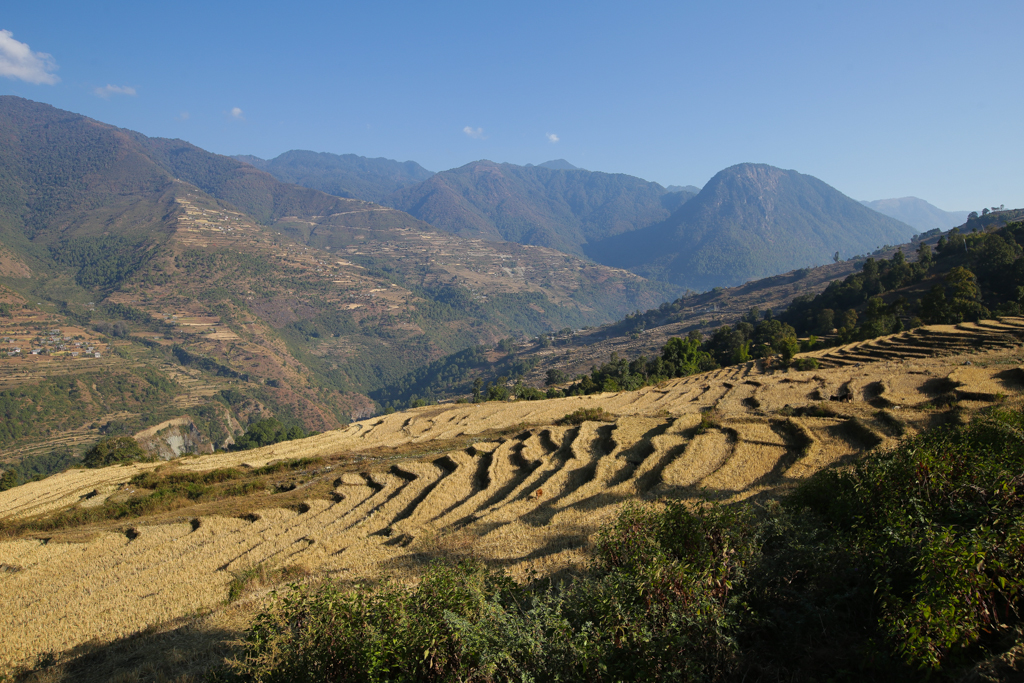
[508, 483]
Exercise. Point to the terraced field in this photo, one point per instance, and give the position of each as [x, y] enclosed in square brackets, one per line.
[929, 341]
[507, 482]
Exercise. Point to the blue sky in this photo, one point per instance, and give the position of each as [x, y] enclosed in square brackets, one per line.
[877, 99]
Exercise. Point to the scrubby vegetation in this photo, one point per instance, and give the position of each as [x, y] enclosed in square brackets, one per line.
[156, 491]
[578, 417]
[35, 467]
[907, 566]
[114, 450]
[267, 432]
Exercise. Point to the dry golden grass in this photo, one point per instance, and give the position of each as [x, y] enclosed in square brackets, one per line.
[501, 482]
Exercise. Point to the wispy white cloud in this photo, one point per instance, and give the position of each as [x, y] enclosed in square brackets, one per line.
[106, 91]
[552, 137]
[475, 133]
[236, 113]
[183, 116]
[18, 61]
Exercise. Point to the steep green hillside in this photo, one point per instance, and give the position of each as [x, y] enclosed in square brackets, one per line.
[342, 175]
[62, 175]
[751, 221]
[561, 209]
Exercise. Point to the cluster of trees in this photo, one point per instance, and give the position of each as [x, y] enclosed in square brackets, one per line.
[35, 467]
[266, 432]
[114, 450]
[835, 309]
[980, 272]
[500, 391]
[58, 403]
[101, 262]
[327, 324]
[752, 338]
[200, 262]
[118, 328]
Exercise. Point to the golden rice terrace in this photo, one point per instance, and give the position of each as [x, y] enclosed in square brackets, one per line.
[514, 484]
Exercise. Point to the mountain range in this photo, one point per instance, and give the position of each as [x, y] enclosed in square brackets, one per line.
[554, 204]
[918, 213]
[750, 221]
[558, 165]
[305, 303]
[561, 209]
[342, 175]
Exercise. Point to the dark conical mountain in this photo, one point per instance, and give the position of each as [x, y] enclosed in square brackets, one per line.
[918, 213]
[751, 221]
[562, 209]
[342, 175]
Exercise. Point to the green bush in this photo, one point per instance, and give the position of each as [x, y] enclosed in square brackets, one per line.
[805, 364]
[528, 393]
[578, 417]
[267, 432]
[654, 609]
[392, 633]
[940, 524]
[114, 450]
[9, 479]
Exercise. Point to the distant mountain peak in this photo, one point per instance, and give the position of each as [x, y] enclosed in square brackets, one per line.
[341, 175]
[251, 160]
[692, 189]
[559, 165]
[918, 213]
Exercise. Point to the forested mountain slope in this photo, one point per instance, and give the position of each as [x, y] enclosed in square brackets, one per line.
[561, 209]
[751, 221]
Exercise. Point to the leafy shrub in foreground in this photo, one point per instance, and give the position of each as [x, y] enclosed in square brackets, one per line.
[431, 632]
[654, 609]
[939, 522]
[909, 566]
